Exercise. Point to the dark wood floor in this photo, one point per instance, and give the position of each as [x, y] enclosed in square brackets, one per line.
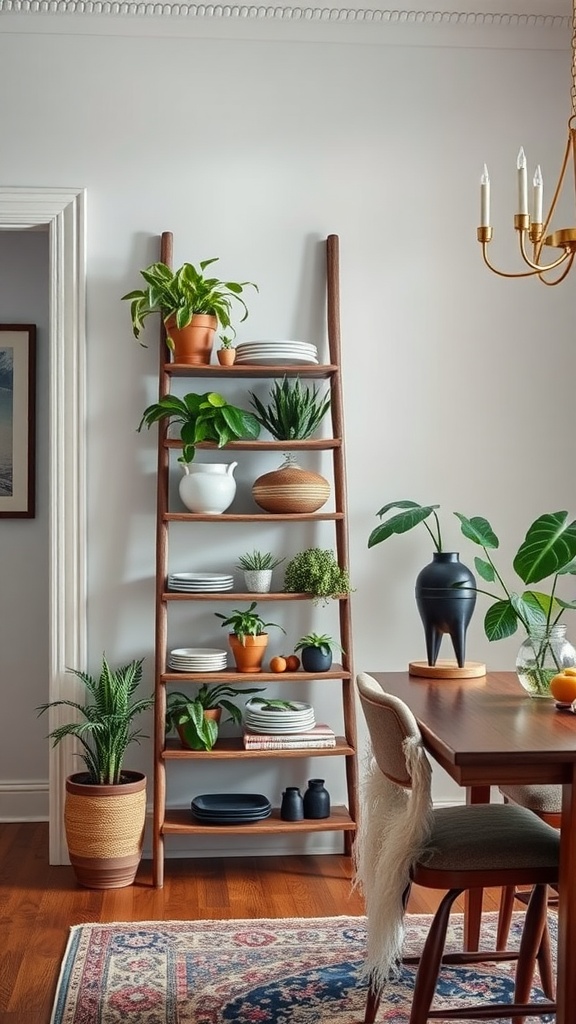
[39, 903]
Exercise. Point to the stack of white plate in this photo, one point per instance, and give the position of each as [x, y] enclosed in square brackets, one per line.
[277, 721]
[200, 582]
[273, 353]
[197, 659]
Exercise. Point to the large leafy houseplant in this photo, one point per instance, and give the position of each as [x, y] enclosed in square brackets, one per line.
[105, 729]
[184, 292]
[206, 417]
[186, 714]
[412, 515]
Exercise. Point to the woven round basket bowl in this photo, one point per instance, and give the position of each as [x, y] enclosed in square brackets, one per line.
[291, 490]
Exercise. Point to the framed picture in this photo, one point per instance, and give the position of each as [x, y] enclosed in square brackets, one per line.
[17, 420]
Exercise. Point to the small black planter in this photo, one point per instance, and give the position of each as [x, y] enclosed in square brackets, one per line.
[314, 659]
[443, 606]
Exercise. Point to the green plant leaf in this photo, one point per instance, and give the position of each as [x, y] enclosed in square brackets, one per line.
[478, 530]
[500, 621]
[485, 570]
[532, 607]
[549, 545]
[400, 523]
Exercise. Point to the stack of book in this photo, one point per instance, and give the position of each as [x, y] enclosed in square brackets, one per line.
[319, 737]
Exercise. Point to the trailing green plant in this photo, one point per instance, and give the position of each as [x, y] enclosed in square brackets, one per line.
[316, 571]
[322, 641]
[258, 560]
[293, 412]
[187, 713]
[246, 622]
[207, 417]
[105, 729]
[182, 293]
[412, 515]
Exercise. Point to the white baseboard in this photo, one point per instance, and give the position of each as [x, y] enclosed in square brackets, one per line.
[24, 801]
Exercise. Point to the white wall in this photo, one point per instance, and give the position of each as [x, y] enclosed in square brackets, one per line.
[24, 555]
[252, 139]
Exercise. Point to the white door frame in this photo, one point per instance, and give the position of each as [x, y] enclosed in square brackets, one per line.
[63, 212]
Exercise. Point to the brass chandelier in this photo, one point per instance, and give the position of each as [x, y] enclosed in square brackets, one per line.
[533, 229]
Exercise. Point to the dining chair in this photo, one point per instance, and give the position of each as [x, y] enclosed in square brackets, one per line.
[402, 839]
[546, 802]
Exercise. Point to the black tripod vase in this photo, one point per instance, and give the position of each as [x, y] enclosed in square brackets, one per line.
[445, 604]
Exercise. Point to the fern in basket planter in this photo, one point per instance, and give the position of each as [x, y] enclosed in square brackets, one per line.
[105, 842]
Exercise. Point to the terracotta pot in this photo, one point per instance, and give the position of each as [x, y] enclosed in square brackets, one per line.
[192, 345]
[105, 829]
[226, 356]
[250, 654]
[214, 713]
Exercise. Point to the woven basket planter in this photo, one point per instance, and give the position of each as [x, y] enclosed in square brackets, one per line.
[291, 489]
[105, 830]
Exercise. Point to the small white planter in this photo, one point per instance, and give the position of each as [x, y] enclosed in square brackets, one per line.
[258, 581]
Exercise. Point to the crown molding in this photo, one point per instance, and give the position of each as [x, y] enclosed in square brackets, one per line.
[143, 8]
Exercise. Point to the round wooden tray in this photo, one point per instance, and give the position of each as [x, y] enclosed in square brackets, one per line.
[446, 669]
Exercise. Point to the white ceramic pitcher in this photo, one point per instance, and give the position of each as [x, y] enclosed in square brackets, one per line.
[208, 487]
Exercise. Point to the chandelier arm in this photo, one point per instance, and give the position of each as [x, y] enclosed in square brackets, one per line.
[567, 152]
[535, 266]
[503, 273]
[564, 273]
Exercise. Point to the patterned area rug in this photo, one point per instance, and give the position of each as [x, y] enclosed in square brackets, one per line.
[299, 971]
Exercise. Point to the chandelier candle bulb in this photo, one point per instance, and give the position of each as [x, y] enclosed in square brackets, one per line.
[538, 195]
[485, 198]
[522, 182]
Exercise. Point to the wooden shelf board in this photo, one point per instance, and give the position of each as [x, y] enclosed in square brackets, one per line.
[251, 517]
[233, 747]
[237, 595]
[316, 444]
[180, 822]
[313, 370]
[336, 672]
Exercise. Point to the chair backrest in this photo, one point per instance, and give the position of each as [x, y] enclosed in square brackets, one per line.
[390, 723]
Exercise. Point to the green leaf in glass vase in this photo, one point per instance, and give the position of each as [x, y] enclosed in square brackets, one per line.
[549, 544]
[500, 621]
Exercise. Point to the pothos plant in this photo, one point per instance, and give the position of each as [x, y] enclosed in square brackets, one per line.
[205, 417]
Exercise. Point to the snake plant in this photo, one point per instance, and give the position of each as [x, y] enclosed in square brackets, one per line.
[293, 412]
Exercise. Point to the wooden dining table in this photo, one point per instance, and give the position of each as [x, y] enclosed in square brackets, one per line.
[487, 731]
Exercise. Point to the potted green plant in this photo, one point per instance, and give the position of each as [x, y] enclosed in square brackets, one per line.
[442, 607]
[105, 842]
[258, 567]
[316, 649]
[548, 551]
[316, 571]
[294, 411]
[226, 354]
[196, 720]
[248, 636]
[202, 417]
[187, 299]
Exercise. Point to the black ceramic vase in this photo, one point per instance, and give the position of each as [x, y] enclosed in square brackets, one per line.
[292, 806]
[445, 603]
[316, 800]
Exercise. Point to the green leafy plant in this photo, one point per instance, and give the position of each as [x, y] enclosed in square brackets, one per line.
[187, 714]
[246, 622]
[182, 293]
[207, 417]
[294, 412]
[105, 729]
[315, 571]
[225, 341]
[322, 641]
[412, 515]
[258, 560]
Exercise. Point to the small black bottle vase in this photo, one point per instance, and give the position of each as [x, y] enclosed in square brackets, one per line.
[316, 800]
[445, 601]
[292, 806]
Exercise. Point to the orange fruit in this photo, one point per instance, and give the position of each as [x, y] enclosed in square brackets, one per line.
[563, 687]
[292, 662]
[278, 664]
